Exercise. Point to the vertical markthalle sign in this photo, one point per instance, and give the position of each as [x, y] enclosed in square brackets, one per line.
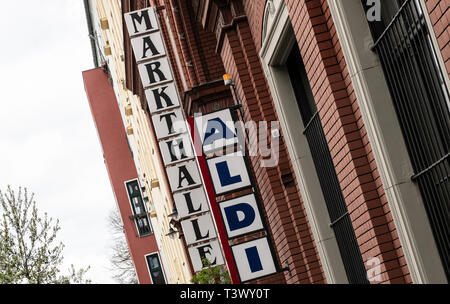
[229, 173]
[174, 141]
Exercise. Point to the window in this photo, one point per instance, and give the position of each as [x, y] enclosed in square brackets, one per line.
[337, 208]
[155, 268]
[421, 100]
[138, 207]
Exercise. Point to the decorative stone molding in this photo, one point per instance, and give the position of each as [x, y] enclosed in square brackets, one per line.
[272, 7]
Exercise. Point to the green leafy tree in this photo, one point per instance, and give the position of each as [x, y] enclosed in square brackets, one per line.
[29, 252]
[211, 274]
[8, 274]
[75, 276]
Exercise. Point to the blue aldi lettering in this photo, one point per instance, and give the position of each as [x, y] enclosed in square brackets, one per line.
[254, 259]
[228, 173]
[216, 131]
[234, 221]
[241, 216]
[224, 175]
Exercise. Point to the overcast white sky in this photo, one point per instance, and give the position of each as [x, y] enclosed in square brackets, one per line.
[48, 139]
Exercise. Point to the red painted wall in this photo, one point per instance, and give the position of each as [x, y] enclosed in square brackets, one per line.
[119, 162]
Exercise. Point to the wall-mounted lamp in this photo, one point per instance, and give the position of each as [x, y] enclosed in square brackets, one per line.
[175, 230]
[227, 79]
[173, 234]
[229, 82]
[174, 214]
[174, 224]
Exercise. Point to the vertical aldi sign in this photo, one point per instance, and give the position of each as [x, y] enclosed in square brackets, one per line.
[230, 174]
[173, 138]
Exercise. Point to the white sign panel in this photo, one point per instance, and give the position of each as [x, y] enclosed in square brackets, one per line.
[183, 176]
[155, 72]
[216, 131]
[169, 124]
[253, 259]
[198, 229]
[191, 202]
[175, 144]
[148, 47]
[176, 149]
[162, 98]
[210, 251]
[241, 215]
[228, 173]
[141, 22]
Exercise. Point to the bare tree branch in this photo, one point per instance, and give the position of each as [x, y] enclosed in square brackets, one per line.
[120, 259]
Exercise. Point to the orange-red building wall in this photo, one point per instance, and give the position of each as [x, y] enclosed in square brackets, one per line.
[119, 162]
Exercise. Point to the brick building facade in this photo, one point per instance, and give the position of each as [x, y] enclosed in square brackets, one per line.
[381, 232]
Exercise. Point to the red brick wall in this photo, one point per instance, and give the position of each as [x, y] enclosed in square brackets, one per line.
[440, 18]
[282, 202]
[198, 47]
[202, 43]
[341, 118]
[255, 13]
[347, 138]
[284, 208]
[345, 132]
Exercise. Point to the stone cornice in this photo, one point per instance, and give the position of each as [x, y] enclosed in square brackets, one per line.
[205, 93]
[223, 29]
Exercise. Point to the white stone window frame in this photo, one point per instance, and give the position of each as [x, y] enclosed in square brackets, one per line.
[387, 141]
[278, 40]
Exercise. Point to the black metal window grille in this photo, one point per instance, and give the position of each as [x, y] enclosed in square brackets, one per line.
[421, 99]
[155, 268]
[140, 214]
[337, 209]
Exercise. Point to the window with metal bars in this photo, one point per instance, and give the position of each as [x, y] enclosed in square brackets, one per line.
[421, 100]
[337, 208]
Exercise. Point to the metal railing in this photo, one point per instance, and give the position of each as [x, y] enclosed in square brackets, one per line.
[421, 101]
[331, 189]
[334, 199]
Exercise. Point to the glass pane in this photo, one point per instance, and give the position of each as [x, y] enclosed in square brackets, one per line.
[155, 269]
[154, 263]
[143, 226]
[133, 188]
[138, 206]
